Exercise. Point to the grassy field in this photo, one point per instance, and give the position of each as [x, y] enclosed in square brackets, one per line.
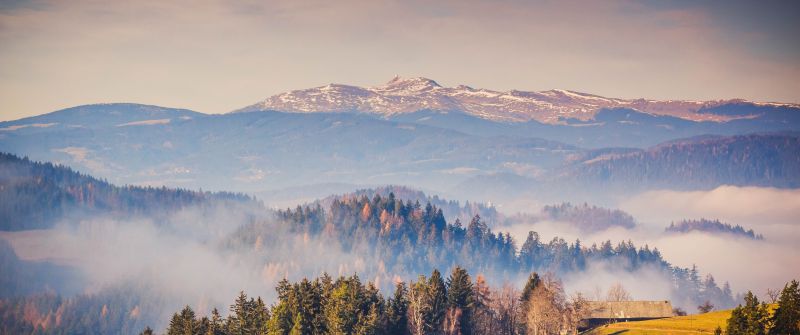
[690, 324]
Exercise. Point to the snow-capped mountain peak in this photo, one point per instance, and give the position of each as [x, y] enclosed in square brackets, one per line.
[405, 95]
[409, 85]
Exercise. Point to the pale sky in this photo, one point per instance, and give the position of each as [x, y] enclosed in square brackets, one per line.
[217, 56]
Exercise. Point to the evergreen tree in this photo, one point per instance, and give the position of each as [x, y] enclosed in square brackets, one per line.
[786, 320]
[460, 299]
[750, 319]
[397, 311]
[437, 303]
[242, 318]
[182, 323]
[300, 326]
[215, 324]
[261, 315]
[281, 321]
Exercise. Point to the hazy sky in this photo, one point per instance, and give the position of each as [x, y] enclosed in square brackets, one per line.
[216, 56]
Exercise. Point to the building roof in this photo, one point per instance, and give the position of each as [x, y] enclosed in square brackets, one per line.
[629, 309]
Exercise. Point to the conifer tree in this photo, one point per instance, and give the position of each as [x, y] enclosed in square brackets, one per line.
[299, 325]
[750, 319]
[460, 300]
[182, 323]
[397, 311]
[281, 321]
[786, 320]
[437, 303]
[215, 324]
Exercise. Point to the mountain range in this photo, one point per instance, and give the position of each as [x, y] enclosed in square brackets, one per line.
[408, 95]
[309, 143]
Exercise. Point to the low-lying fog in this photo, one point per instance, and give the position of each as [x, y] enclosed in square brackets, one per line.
[186, 260]
[747, 264]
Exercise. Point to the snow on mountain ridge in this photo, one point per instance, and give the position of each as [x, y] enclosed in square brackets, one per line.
[406, 95]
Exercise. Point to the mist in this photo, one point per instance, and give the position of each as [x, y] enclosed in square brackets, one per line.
[746, 264]
[187, 259]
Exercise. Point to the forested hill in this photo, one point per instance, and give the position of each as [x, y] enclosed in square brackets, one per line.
[769, 159]
[713, 227]
[35, 195]
[588, 218]
[450, 208]
[408, 238]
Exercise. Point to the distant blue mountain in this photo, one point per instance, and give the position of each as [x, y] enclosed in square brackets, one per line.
[455, 154]
[619, 127]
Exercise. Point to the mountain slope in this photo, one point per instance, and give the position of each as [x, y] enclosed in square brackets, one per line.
[771, 159]
[271, 150]
[706, 162]
[36, 195]
[101, 116]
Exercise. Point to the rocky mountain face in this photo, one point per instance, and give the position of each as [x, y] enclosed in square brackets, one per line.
[408, 95]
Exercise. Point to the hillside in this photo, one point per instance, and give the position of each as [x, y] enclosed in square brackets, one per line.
[690, 324]
[771, 159]
[36, 195]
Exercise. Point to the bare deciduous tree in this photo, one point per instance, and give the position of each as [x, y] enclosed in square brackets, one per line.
[417, 306]
[773, 295]
[618, 293]
[546, 308]
[578, 311]
[506, 306]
